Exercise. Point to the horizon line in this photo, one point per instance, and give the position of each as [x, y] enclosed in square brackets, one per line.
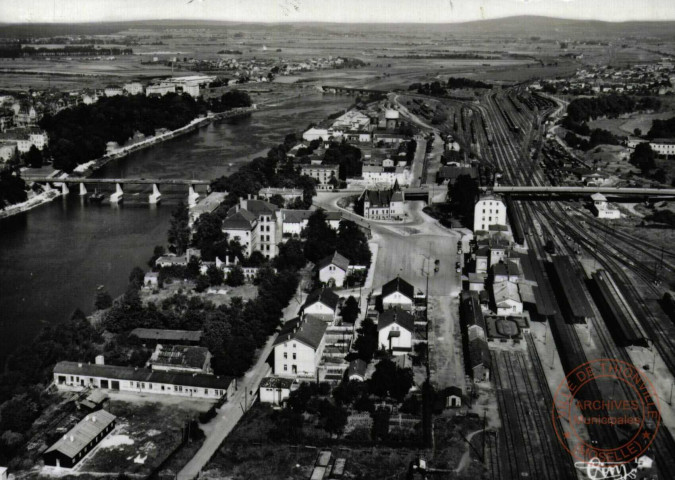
[328, 22]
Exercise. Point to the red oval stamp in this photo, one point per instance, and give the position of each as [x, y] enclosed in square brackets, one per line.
[608, 410]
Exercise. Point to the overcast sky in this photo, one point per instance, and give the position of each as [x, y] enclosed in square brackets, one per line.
[433, 11]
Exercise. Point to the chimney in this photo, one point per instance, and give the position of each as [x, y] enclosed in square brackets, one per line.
[72, 439]
[93, 419]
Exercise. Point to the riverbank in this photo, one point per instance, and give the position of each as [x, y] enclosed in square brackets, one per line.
[88, 169]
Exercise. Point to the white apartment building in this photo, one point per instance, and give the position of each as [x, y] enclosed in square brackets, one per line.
[298, 348]
[489, 210]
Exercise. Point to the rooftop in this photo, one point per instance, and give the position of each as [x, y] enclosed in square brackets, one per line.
[335, 259]
[83, 433]
[167, 335]
[200, 380]
[308, 330]
[396, 316]
[180, 356]
[398, 285]
[276, 382]
[324, 295]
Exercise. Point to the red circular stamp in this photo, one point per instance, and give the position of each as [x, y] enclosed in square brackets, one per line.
[607, 410]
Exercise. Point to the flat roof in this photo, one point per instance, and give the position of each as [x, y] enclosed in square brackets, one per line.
[571, 287]
[167, 335]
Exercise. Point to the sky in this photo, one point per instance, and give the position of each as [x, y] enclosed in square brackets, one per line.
[386, 11]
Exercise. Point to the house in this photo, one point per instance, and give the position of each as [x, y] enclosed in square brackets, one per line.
[133, 88]
[242, 226]
[447, 174]
[395, 328]
[334, 219]
[453, 397]
[317, 133]
[663, 146]
[322, 173]
[477, 281]
[254, 223]
[381, 204]
[392, 119]
[357, 370]
[153, 336]
[293, 222]
[482, 257]
[113, 90]
[489, 210]
[398, 293]
[353, 120]
[159, 90]
[321, 303]
[374, 175]
[333, 270]
[70, 449]
[168, 261]
[180, 358]
[507, 298]
[298, 348]
[69, 376]
[506, 271]
[602, 209]
[275, 390]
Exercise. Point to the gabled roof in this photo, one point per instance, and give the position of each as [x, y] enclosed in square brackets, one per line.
[180, 356]
[241, 220]
[330, 216]
[504, 291]
[167, 335]
[260, 207]
[479, 353]
[276, 382]
[309, 331]
[377, 198]
[398, 316]
[398, 285]
[83, 433]
[470, 309]
[335, 259]
[295, 216]
[324, 295]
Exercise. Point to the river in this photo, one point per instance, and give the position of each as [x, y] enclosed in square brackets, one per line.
[53, 257]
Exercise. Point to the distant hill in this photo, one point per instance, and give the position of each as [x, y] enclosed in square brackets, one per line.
[521, 26]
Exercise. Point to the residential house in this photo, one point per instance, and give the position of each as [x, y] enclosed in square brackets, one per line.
[275, 390]
[333, 270]
[663, 146]
[398, 293]
[321, 303]
[453, 397]
[70, 449]
[298, 348]
[151, 280]
[288, 194]
[317, 133]
[479, 360]
[381, 204]
[133, 88]
[395, 328]
[113, 90]
[322, 173]
[293, 222]
[506, 271]
[180, 358]
[254, 223]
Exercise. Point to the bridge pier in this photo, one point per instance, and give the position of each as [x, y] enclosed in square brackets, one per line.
[64, 189]
[193, 196]
[155, 196]
[119, 193]
[83, 190]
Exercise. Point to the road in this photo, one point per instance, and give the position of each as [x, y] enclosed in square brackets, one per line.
[229, 414]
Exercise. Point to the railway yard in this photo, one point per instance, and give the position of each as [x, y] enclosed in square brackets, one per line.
[611, 310]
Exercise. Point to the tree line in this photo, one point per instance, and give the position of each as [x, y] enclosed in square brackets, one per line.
[584, 109]
[80, 134]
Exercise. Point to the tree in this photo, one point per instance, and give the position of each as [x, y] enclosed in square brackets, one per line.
[33, 157]
[350, 310]
[463, 195]
[136, 277]
[277, 200]
[643, 157]
[320, 239]
[208, 236]
[236, 276]
[157, 252]
[12, 187]
[103, 298]
[291, 255]
[390, 381]
[202, 283]
[179, 230]
[353, 242]
[215, 275]
[366, 342]
[637, 132]
[333, 418]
